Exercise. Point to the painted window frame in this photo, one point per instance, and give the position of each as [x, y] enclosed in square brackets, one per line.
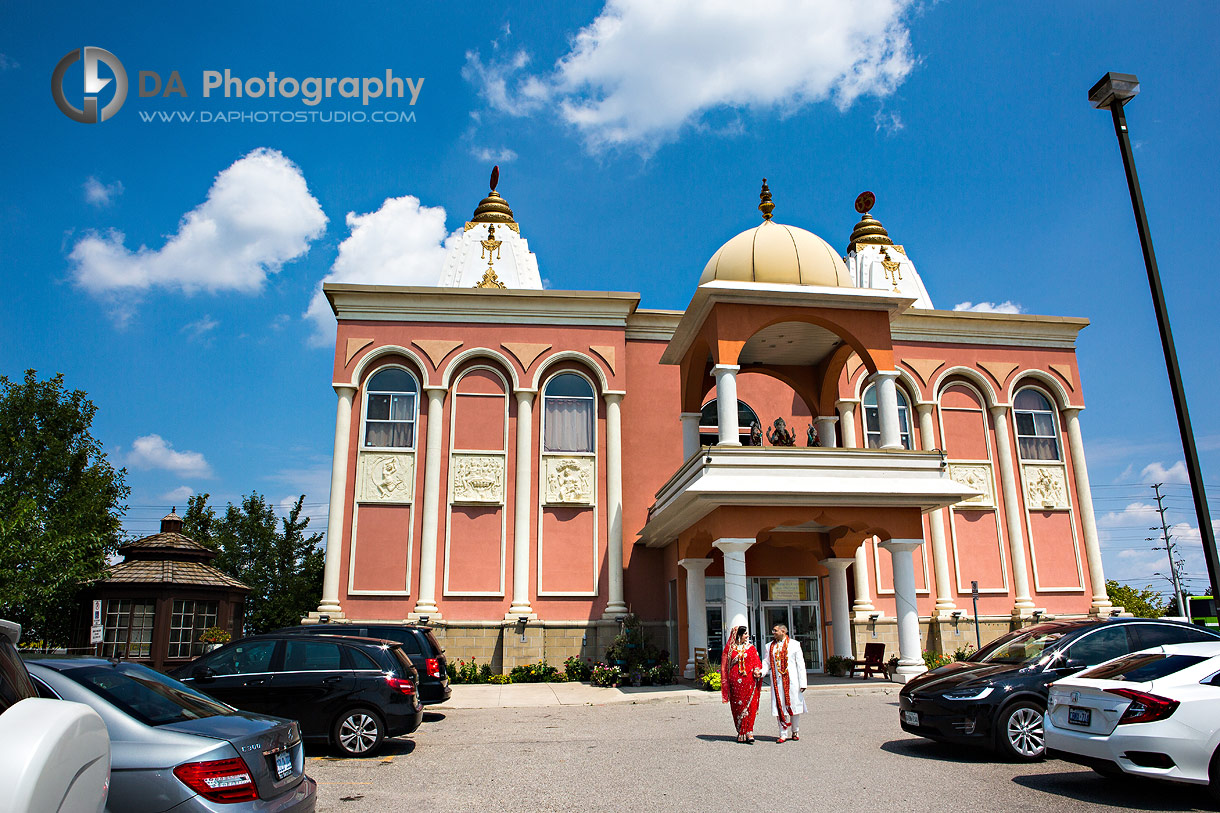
[709, 434]
[366, 404]
[906, 436]
[1052, 410]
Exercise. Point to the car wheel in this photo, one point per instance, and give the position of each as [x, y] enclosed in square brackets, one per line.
[1019, 732]
[358, 732]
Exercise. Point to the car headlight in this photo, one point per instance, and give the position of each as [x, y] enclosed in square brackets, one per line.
[969, 694]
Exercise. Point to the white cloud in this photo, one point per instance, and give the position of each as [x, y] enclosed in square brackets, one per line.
[1157, 473]
[889, 122]
[643, 70]
[179, 495]
[154, 452]
[1135, 514]
[402, 243]
[1007, 306]
[101, 194]
[7, 63]
[199, 328]
[503, 155]
[314, 483]
[258, 215]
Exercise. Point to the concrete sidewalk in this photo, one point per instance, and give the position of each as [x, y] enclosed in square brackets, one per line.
[532, 695]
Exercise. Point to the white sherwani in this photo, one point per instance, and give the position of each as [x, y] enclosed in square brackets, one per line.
[796, 675]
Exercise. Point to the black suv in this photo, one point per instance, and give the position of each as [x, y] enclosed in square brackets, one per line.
[997, 698]
[418, 642]
[351, 692]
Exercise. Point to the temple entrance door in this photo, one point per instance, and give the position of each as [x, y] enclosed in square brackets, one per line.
[802, 621]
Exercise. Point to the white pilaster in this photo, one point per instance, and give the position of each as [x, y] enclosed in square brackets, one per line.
[736, 590]
[690, 434]
[826, 430]
[523, 500]
[426, 604]
[696, 611]
[864, 602]
[840, 617]
[1084, 499]
[910, 653]
[1012, 512]
[936, 519]
[726, 404]
[847, 415]
[338, 488]
[887, 408]
[614, 504]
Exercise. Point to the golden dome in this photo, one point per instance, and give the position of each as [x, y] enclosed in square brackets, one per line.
[493, 208]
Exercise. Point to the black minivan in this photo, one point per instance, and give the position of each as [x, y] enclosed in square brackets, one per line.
[350, 692]
[997, 698]
[418, 642]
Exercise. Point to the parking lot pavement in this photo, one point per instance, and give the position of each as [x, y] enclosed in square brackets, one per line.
[675, 756]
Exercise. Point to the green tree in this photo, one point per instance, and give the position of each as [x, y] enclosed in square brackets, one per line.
[1142, 603]
[61, 503]
[275, 558]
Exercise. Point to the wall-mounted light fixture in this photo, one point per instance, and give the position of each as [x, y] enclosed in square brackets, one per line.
[423, 619]
[324, 619]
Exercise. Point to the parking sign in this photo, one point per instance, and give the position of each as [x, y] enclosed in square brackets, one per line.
[97, 612]
[95, 634]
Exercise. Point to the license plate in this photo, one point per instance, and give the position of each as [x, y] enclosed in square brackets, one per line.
[910, 717]
[283, 764]
[1079, 716]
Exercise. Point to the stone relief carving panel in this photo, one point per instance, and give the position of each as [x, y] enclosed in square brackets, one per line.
[569, 481]
[386, 477]
[978, 477]
[1045, 488]
[478, 478]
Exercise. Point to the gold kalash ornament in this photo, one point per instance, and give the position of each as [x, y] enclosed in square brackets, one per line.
[491, 252]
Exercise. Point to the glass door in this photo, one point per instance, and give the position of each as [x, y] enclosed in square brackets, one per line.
[804, 628]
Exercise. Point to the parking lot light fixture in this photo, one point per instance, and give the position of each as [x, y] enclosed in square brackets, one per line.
[1113, 92]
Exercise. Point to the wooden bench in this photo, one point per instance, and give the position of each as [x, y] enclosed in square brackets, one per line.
[700, 659]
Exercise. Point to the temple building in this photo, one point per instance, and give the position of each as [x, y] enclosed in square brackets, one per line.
[809, 442]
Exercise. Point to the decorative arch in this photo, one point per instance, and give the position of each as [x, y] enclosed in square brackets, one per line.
[1046, 382]
[570, 355]
[905, 380]
[974, 377]
[478, 352]
[420, 371]
[849, 339]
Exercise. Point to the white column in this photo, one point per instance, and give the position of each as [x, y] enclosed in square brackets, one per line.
[726, 403]
[1084, 498]
[840, 618]
[887, 409]
[1012, 512]
[690, 434]
[847, 415]
[864, 601]
[523, 500]
[826, 430]
[736, 590]
[910, 653]
[936, 520]
[426, 603]
[696, 610]
[614, 504]
[338, 489]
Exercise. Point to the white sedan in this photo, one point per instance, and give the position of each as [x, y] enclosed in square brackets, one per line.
[1152, 713]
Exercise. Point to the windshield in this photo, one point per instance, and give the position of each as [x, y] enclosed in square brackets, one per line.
[1019, 647]
[148, 696]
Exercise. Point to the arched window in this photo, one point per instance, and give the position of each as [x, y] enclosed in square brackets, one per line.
[1037, 437]
[568, 414]
[709, 423]
[390, 410]
[872, 418]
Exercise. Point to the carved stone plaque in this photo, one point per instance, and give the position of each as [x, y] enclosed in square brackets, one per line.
[569, 481]
[978, 477]
[1045, 488]
[478, 478]
[385, 477]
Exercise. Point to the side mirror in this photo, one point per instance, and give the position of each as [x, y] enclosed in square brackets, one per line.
[1070, 666]
[203, 673]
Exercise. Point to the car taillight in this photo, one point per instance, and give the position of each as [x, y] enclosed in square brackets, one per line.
[400, 684]
[1144, 708]
[434, 667]
[222, 780]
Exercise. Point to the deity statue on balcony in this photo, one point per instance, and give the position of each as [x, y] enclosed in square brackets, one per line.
[755, 434]
[780, 434]
[811, 437]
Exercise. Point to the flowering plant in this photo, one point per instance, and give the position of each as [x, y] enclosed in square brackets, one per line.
[604, 674]
[576, 669]
[711, 681]
[215, 635]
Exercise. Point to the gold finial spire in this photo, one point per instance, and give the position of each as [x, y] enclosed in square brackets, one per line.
[493, 208]
[491, 252]
[764, 201]
[869, 230]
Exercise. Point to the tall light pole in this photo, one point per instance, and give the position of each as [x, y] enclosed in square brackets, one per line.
[1112, 92]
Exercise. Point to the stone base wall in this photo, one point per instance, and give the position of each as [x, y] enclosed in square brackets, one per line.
[508, 644]
[935, 634]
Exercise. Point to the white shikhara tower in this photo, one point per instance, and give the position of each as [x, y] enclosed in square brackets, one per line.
[874, 261]
[491, 253]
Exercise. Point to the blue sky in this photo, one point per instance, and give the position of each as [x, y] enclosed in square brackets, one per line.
[168, 268]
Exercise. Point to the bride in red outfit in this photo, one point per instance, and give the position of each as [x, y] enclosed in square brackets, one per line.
[740, 680]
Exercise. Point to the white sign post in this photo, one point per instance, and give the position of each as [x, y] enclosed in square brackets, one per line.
[95, 634]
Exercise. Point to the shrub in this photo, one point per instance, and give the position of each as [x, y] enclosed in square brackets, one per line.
[605, 675]
[710, 681]
[499, 680]
[963, 652]
[838, 665]
[663, 673]
[485, 674]
[576, 669]
[534, 673]
[934, 660]
[468, 672]
[215, 635]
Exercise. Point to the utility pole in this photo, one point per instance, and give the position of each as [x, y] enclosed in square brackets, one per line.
[1173, 565]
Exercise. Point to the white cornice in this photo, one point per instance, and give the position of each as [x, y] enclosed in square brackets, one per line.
[1001, 329]
[653, 325]
[431, 304]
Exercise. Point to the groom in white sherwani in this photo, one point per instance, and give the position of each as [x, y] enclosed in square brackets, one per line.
[784, 662]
